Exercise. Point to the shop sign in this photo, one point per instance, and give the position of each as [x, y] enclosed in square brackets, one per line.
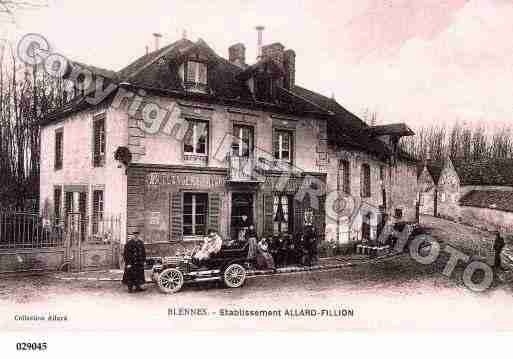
[197, 180]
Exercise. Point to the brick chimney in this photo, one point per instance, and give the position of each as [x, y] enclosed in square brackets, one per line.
[156, 37]
[237, 54]
[289, 65]
[286, 59]
[274, 51]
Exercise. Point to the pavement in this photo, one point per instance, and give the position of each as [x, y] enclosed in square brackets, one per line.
[115, 275]
[395, 294]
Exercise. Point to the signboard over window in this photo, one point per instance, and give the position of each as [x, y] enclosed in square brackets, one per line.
[196, 180]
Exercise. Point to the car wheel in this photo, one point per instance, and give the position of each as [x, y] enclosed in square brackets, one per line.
[234, 276]
[170, 280]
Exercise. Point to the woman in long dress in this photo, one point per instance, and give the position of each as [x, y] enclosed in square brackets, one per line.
[252, 239]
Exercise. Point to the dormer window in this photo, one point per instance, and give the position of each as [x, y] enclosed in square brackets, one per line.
[264, 86]
[196, 78]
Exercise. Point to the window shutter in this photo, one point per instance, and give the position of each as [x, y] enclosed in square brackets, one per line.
[57, 203]
[214, 210]
[176, 209]
[82, 204]
[68, 206]
[59, 136]
[299, 216]
[268, 213]
[276, 145]
[96, 144]
[320, 217]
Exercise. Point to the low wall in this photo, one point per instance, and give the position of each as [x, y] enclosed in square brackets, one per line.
[31, 260]
[93, 257]
[487, 219]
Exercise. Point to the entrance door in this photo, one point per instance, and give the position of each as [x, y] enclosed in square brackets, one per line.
[76, 203]
[366, 227]
[242, 213]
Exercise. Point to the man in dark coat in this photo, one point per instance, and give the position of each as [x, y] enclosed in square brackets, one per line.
[310, 239]
[498, 245]
[135, 258]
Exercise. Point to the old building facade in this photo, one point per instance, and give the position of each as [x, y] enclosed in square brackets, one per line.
[182, 140]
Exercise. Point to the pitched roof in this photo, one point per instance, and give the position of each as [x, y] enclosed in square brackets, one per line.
[492, 199]
[397, 129]
[434, 168]
[345, 128]
[154, 71]
[109, 74]
[146, 60]
[485, 173]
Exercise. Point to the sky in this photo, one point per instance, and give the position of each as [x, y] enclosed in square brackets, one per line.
[421, 62]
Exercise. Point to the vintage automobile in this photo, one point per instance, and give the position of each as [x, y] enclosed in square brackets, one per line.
[228, 266]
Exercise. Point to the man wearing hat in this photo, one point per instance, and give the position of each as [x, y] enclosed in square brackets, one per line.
[135, 258]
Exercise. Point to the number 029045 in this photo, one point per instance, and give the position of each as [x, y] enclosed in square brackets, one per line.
[32, 346]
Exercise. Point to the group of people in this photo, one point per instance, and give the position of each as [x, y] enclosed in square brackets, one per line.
[267, 252]
[271, 251]
[289, 250]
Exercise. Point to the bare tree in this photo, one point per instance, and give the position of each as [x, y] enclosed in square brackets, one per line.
[479, 144]
[25, 99]
[10, 8]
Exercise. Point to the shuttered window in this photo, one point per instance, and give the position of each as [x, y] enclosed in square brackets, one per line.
[99, 141]
[320, 217]
[365, 181]
[344, 177]
[282, 213]
[268, 213]
[195, 213]
[98, 206]
[214, 210]
[59, 143]
[82, 207]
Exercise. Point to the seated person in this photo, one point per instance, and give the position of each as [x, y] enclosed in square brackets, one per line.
[211, 245]
[264, 259]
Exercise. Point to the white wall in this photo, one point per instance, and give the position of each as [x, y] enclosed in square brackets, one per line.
[77, 161]
[162, 149]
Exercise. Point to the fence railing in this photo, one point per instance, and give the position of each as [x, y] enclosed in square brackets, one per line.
[26, 230]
